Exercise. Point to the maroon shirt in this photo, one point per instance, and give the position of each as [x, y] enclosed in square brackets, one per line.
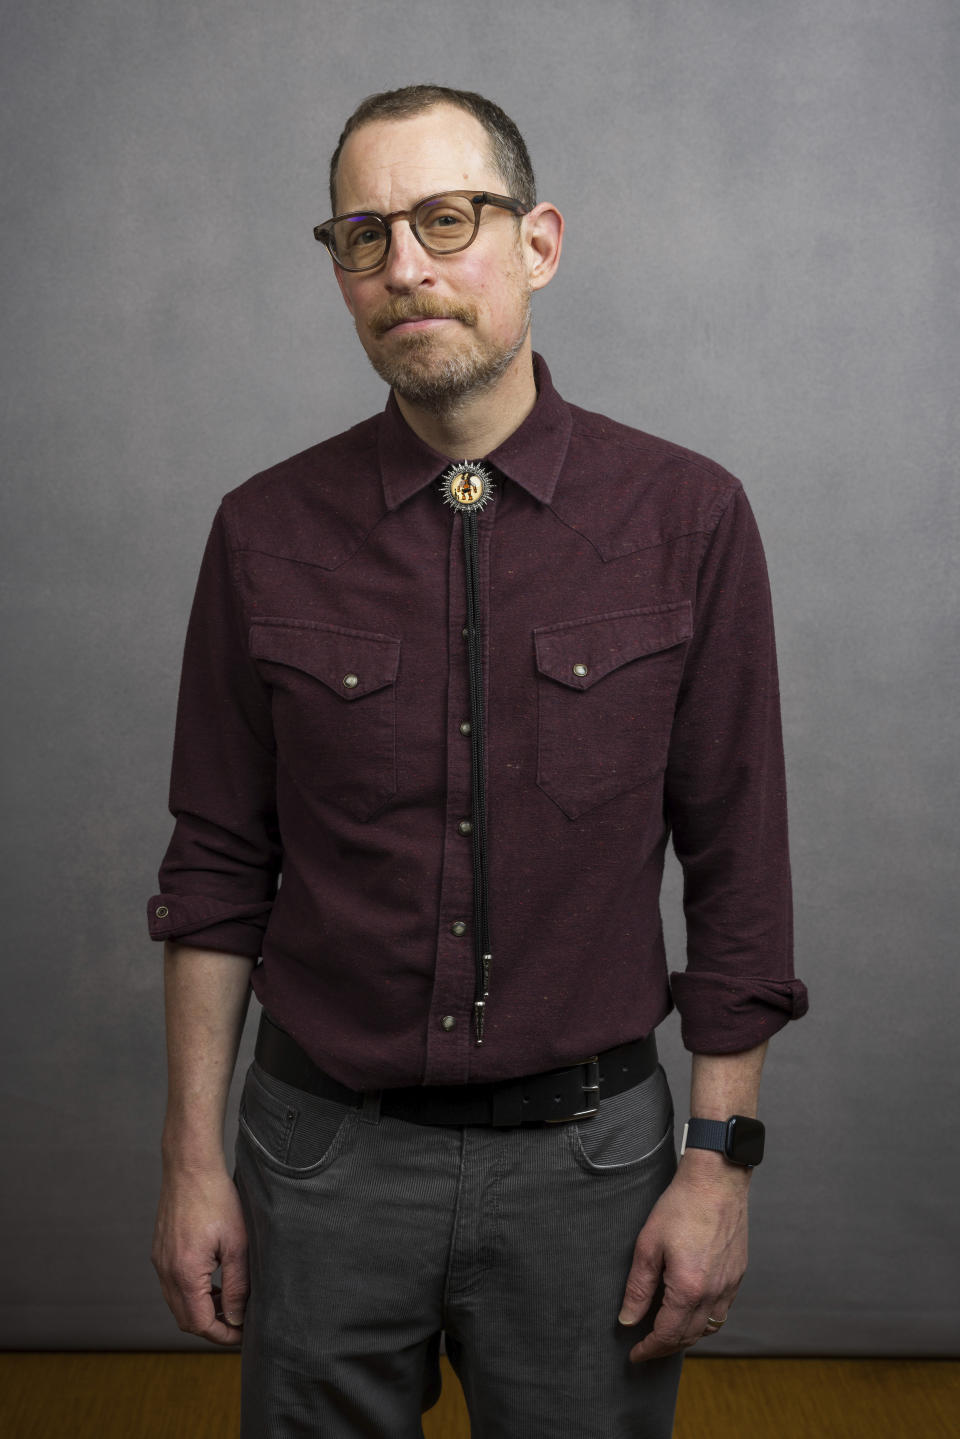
[605, 549]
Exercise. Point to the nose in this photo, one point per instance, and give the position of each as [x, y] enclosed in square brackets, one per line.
[408, 265]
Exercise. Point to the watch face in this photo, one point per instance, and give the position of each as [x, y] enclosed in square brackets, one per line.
[745, 1140]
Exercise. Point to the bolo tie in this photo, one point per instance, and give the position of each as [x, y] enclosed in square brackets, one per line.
[466, 488]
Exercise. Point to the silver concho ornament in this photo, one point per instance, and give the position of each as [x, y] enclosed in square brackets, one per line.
[466, 486]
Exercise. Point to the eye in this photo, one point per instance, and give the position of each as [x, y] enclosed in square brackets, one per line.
[361, 235]
[445, 222]
[444, 219]
[359, 239]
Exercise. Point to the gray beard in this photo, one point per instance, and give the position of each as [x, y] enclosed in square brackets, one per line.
[443, 385]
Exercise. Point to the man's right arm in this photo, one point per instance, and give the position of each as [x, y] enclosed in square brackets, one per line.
[199, 1221]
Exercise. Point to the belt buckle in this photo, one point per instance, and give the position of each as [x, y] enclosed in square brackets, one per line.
[591, 1093]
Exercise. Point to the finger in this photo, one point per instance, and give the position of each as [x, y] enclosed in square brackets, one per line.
[667, 1337]
[672, 1328]
[681, 1328]
[715, 1309]
[236, 1286]
[679, 1322]
[223, 1330]
[228, 1336]
[715, 1321]
[195, 1306]
[640, 1288]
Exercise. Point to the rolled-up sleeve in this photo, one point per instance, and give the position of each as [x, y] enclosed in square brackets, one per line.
[726, 805]
[219, 876]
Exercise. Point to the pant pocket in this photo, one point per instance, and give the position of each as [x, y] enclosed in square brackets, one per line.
[293, 1131]
[628, 1130]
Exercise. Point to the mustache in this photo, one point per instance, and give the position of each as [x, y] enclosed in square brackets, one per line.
[422, 308]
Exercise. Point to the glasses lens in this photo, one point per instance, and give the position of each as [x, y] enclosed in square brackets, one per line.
[445, 223]
[359, 241]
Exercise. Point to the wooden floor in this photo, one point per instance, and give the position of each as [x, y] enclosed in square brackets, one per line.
[196, 1396]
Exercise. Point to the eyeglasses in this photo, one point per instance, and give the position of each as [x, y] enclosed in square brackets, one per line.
[443, 224]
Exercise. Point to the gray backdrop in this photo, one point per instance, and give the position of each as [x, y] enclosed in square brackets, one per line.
[782, 178]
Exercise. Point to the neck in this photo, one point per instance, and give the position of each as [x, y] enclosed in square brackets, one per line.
[477, 424]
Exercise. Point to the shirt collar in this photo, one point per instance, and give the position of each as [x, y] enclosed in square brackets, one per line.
[532, 456]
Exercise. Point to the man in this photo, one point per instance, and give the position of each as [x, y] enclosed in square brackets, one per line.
[457, 674]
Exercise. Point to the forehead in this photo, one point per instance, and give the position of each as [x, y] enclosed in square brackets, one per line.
[389, 164]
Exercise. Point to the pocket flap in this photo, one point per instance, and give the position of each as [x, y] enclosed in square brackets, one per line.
[352, 663]
[577, 653]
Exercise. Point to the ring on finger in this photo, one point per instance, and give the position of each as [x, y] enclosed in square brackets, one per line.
[713, 1324]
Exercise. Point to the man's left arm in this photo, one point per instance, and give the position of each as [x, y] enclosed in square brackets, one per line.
[725, 802]
[694, 1242]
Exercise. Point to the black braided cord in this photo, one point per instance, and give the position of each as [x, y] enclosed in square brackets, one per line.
[481, 905]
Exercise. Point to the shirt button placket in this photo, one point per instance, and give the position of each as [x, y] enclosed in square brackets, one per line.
[449, 1044]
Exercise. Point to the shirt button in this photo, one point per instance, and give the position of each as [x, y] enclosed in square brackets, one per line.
[581, 671]
[464, 726]
[465, 827]
[447, 1022]
[458, 928]
[465, 632]
[161, 911]
[350, 682]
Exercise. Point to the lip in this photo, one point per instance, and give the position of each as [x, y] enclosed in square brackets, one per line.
[417, 323]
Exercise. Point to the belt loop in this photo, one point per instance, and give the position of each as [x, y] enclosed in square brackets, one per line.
[370, 1108]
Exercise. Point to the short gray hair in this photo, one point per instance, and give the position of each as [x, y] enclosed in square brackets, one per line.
[507, 149]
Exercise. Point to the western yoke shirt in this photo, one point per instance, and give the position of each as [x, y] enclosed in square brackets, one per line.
[322, 765]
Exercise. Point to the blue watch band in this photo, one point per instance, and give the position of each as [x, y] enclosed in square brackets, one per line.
[739, 1138]
[705, 1134]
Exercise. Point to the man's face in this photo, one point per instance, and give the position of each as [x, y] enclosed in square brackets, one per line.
[438, 328]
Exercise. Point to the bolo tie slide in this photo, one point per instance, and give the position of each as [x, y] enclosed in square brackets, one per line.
[466, 488]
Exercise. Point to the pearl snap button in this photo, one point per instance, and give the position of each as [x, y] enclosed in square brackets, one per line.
[581, 671]
[458, 928]
[465, 827]
[350, 682]
[448, 1022]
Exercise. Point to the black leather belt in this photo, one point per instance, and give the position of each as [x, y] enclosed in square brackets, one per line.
[555, 1097]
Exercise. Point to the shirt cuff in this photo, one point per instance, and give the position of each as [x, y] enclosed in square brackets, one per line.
[721, 1013]
[209, 923]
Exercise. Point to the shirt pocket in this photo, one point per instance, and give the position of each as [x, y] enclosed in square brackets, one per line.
[607, 689]
[334, 708]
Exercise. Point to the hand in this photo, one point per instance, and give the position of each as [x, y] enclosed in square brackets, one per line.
[200, 1227]
[695, 1242]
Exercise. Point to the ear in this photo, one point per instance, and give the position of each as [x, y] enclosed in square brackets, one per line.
[542, 235]
[344, 290]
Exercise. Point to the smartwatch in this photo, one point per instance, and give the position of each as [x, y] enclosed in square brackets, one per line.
[738, 1138]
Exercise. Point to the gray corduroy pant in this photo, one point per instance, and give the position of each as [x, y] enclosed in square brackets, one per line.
[369, 1236]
